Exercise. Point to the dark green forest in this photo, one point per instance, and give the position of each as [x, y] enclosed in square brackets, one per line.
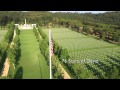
[105, 26]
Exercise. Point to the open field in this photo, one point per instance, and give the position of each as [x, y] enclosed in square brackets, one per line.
[84, 50]
[2, 34]
[32, 61]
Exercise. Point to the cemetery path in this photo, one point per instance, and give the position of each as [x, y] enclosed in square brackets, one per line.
[65, 74]
[6, 64]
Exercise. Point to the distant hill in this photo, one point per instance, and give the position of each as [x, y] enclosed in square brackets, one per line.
[45, 16]
[108, 17]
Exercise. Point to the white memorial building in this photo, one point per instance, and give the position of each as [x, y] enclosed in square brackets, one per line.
[26, 26]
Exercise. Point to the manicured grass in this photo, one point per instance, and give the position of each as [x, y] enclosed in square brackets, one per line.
[75, 42]
[81, 47]
[32, 61]
[2, 34]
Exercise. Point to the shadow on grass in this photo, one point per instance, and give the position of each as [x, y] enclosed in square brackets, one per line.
[19, 73]
[117, 66]
[115, 63]
[102, 66]
[114, 59]
[95, 72]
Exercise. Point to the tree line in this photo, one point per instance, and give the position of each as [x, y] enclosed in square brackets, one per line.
[44, 48]
[60, 53]
[13, 52]
[5, 44]
[104, 26]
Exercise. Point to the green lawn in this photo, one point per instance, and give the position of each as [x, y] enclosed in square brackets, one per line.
[2, 34]
[75, 42]
[32, 61]
[81, 47]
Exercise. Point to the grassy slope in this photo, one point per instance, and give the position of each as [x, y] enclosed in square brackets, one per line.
[29, 57]
[82, 47]
[74, 41]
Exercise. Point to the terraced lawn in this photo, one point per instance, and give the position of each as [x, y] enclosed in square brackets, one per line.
[85, 49]
[32, 61]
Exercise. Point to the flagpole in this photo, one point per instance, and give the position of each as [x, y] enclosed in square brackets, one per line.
[50, 54]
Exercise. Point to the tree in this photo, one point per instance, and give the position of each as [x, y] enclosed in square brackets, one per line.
[56, 21]
[11, 55]
[3, 20]
[46, 39]
[16, 46]
[87, 30]
[59, 51]
[78, 71]
[47, 55]
[36, 34]
[103, 35]
[19, 73]
[56, 48]
[83, 75]
[64, 54]
[40, 43]
[56, 70]
[43, 47]
[116, 36]
[17, 30]
[11, 71]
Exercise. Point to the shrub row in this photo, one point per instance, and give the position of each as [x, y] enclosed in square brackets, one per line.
[5, 44]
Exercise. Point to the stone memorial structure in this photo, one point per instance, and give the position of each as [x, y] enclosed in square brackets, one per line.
[26, 26]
